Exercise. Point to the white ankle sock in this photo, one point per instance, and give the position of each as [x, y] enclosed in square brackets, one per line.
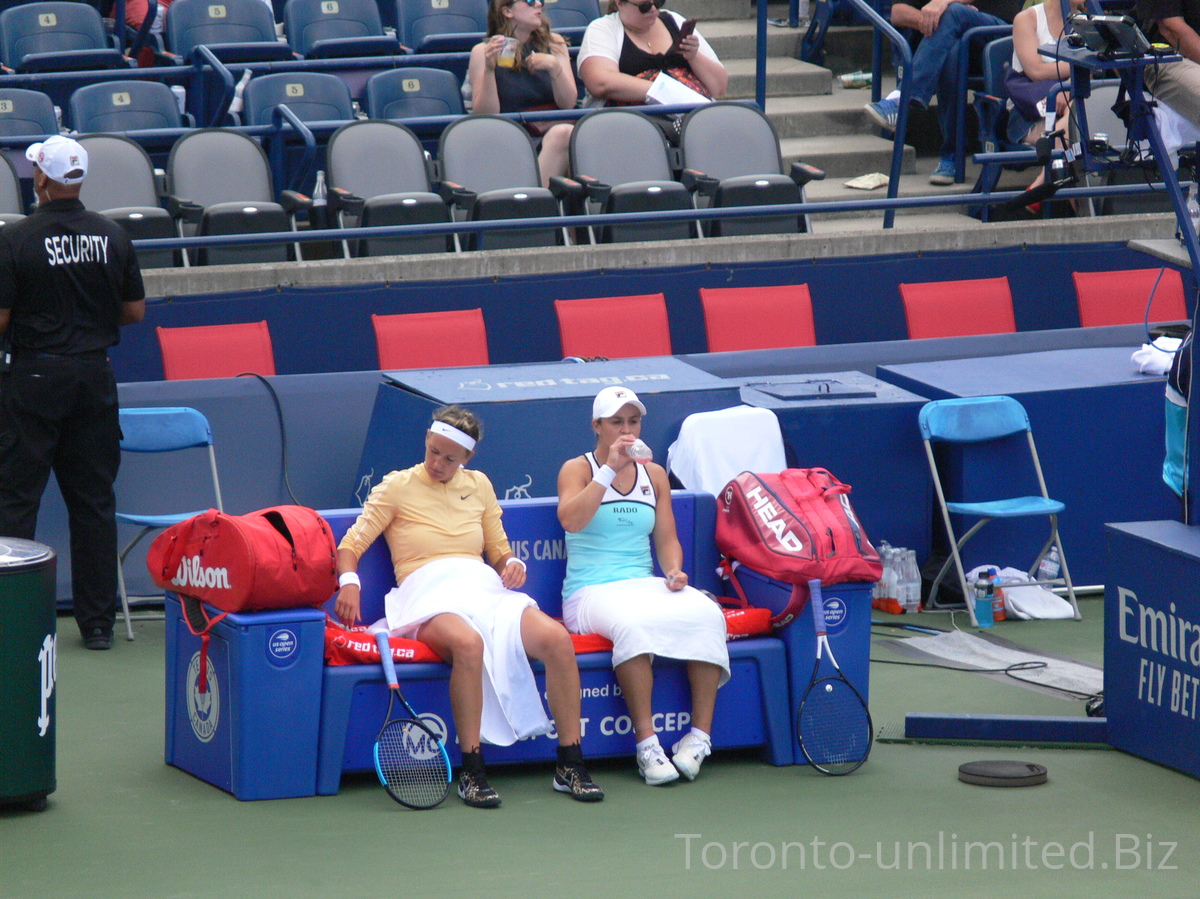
[648, 742]
[702, 735]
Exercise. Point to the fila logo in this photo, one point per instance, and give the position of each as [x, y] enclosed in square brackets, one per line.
[192, 574]
[769, 515]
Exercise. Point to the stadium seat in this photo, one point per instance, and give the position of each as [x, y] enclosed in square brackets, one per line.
[12, 208]
[441, 26]
[742, 172]
[570, 18]
[378, 175]
[410, 92]
[236, 31]
[25, 112]
[220, 183]
[623, 159]
[127, 193]
[321, 29]
[958, 308]
[757, 318]
[133, 105]
[490, 170]
[1121, 297]
[312, 96]
[614, 327]
[57, 36]
[216, 351]
[449, 339]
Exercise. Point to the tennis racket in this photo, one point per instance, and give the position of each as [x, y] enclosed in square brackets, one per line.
[410, 759]
[833, 724]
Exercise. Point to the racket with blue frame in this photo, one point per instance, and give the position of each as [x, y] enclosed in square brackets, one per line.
[410, 758]
[833, 723]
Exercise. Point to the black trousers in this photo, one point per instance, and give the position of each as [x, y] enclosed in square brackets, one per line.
[59, 413]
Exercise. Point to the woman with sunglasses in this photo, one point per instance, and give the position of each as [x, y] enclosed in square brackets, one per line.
[623, 52]
[521, 67]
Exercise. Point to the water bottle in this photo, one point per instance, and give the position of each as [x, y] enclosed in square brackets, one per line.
[984, 590]
[320, 203]
[884, 549]
[912, 582]
[638, 451]
[1050, 565]
[1193, 207]
[237, 104]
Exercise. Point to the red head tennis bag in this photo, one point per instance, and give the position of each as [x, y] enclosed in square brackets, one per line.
[276, 558]
[794, 526]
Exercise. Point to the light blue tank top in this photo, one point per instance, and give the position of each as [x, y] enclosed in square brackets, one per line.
[615, 544]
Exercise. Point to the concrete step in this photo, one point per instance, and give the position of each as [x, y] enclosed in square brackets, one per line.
[785, 77]
[839, 112]
[912, 184]
[845, 156]
[737, 39]
[709, 10]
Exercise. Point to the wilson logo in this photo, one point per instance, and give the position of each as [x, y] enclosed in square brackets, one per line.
[192, 573]
[769, 514]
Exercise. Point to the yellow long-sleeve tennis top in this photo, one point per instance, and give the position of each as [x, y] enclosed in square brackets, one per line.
[423, 520]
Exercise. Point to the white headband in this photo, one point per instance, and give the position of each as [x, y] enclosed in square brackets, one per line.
[466, 441]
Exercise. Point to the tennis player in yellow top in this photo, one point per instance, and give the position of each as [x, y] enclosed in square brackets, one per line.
[439, 520]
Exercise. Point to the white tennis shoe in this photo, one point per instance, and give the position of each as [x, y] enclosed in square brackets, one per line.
[653, 765]
[689, 753]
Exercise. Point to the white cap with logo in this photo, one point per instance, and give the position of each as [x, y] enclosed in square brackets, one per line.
[62, 159]
[608, 402]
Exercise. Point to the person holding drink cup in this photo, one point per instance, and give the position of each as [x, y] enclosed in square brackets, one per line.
[523, 67]
[611, 505]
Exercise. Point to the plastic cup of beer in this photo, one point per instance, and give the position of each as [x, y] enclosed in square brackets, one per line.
[508, 54]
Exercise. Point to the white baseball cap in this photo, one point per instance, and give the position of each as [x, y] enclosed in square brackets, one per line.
[608, 402]
[60, 157]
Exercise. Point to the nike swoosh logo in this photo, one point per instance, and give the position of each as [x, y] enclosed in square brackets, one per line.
[465, 497]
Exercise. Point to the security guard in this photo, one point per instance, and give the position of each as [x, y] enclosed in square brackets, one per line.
[68, 279]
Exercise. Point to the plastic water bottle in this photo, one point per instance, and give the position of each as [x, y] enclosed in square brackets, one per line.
[1050, 565]
[984, 591]
[320, 202]
[237, 103]
[638, 451]
[912, 582]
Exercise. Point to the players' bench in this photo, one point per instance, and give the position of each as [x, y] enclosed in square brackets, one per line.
[753, 708]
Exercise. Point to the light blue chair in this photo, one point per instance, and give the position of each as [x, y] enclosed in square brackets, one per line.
[969, 423]
[161, 429]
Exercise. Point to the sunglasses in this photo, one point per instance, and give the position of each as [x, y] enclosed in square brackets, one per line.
[528, 2]
[645, 5]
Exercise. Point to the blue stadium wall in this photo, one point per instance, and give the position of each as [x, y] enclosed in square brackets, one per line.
[328, 329]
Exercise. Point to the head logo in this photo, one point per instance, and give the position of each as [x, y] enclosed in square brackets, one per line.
[204, 709]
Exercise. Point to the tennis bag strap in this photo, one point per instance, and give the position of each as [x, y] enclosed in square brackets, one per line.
[276, 558]
[793, 526]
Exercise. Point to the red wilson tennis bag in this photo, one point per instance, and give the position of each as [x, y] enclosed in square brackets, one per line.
[275, 558]
[793, 526]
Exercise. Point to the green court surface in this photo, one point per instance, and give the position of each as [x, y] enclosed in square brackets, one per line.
[124, 824]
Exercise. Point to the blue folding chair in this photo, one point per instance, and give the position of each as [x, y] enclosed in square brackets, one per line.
[133, 105]
[441, 26]
[236, 31]
[971, 423]
[312, 96]
[570, 18]
[162, 429]
[57, 36]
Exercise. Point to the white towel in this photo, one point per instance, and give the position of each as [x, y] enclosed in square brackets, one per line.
[512, 706]
[715, 447]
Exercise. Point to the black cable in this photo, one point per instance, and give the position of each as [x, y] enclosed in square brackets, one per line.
[283, 448]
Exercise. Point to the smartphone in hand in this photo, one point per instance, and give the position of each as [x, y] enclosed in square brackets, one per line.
[685, 30]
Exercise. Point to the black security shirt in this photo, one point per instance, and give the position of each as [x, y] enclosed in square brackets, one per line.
[64, 273]
[1151, 12]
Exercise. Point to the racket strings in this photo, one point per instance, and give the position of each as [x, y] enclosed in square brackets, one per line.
[411, 764]
[834, 727]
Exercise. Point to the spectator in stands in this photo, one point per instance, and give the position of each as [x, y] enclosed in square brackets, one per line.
[438, 518]
[521, 67]
[623, 52]
[1175, 22]
[611, 507]
[942, 23]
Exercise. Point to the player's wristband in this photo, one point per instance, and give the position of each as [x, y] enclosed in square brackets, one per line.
[605, 476]
[349, 577]
[524, 567]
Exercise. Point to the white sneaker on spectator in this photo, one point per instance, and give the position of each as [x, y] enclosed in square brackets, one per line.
[653, 765]
[688, 753]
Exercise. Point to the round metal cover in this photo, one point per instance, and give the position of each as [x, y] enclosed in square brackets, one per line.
[18, 553]
[1002, 774]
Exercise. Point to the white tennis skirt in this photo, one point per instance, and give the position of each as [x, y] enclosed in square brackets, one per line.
[512, 705]
[641, 616]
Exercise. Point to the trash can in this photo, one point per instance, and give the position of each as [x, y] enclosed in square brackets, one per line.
[27, 673]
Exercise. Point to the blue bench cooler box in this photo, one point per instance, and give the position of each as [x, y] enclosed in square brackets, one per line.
[848, 620]
[254, 733]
